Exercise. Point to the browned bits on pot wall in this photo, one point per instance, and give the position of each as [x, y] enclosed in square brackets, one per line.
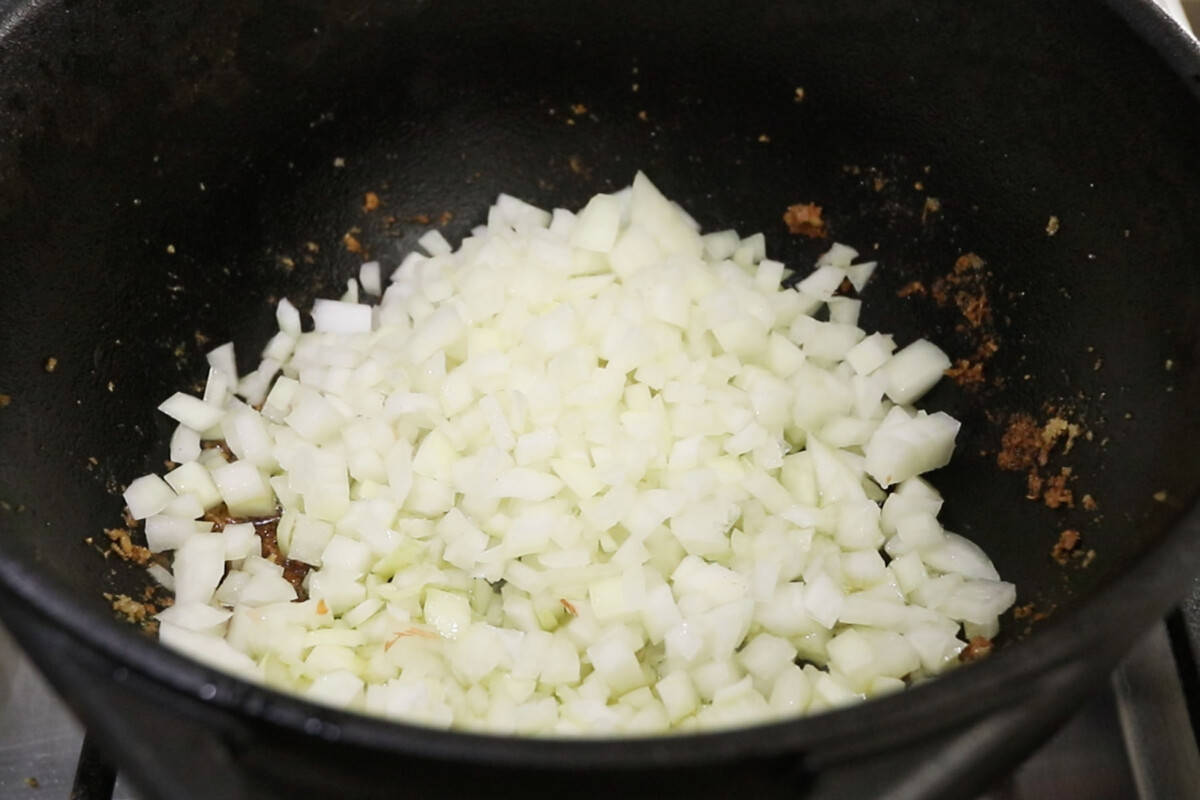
[1020, 445]
[965, 287]
[1026, 446]
[966, 373]
[1068, 540]
[123, 546]
[804, 219]
[978, 648]
[1055, 492]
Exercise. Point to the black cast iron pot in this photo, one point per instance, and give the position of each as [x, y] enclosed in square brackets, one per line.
[163, 167]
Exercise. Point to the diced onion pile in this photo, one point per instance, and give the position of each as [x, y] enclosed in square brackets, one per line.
[588, 473]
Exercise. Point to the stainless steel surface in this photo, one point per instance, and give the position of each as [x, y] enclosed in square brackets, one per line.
[1085, 760]
[39, 738]
[1154, 720]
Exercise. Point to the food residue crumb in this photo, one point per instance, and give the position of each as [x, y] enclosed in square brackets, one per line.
[1020, 445]
[339, 162]
[1068, 540]
[1160, 496]
[1088, 502]
[5, 400]
[569, 606]
[1021, 612]
[51, 364]
[932, 206]
[798, 95]
[643, 116]
[764, 138]
[1056, 493]
[1026, 446]
[445, 217]
[32, 783]
[123, 546]
[171, 249]
[578, 109]
[134, 611]
[978, 648]
[1088, 558]
[804, 219]
[351, 243]
[1168, 365]
[421, 219]
[370, 202]
[965, 286]
[966, 373]
[322, 608]
[1052, 226]
[911, 288]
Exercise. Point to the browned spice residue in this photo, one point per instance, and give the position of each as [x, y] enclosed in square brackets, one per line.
[1088, 502]
[135, 612]
[966, 373]
[5, 400]
[978, 648]
[804, 219]
[1020, 445]
[123, 546]
[1026, 446]
[370, 202]
[932, 206]
[1056, 493]
[445, 217]
[911, 288]
[422, 219]
[964, 286]
[1021, 612]
[1068, 540]
[351, 243]
[569, 606]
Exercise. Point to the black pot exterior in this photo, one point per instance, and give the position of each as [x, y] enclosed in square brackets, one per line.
[164, 167]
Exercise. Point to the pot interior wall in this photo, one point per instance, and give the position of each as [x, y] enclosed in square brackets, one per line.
[170, 170]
